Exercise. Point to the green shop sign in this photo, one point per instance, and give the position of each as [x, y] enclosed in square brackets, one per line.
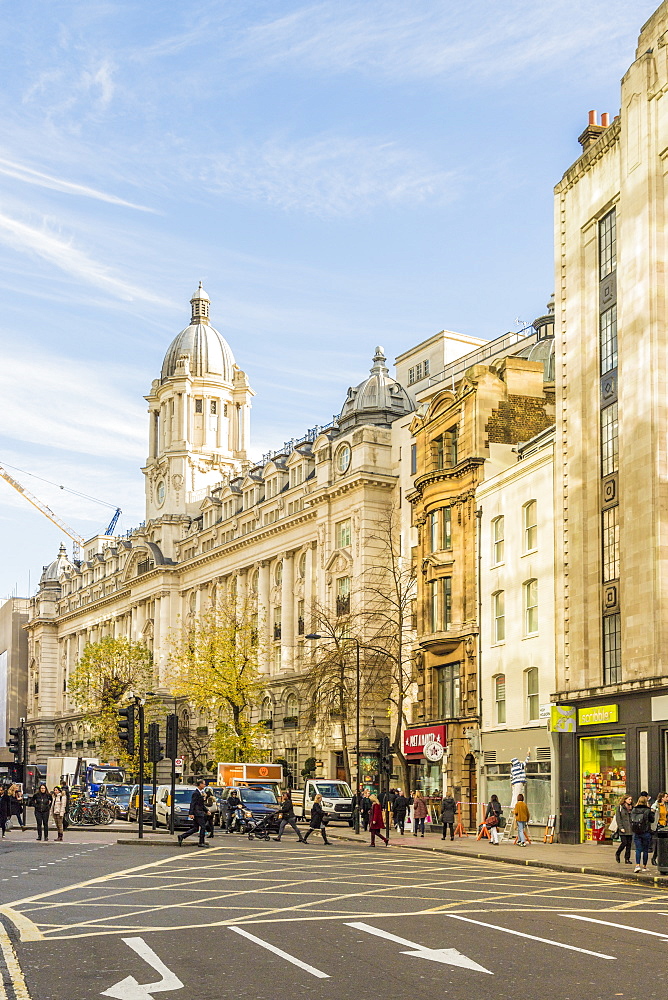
[598, 715]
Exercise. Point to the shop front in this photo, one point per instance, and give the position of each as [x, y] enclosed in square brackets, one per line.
[607, 749]
[425, 775]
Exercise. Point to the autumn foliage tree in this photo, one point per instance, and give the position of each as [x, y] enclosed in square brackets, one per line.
[107, 672]
[214, 664]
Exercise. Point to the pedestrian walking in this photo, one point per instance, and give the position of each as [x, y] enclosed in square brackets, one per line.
[287, 816]
[376, 821]
[660, 808]
[17, 807]
[420, 813]
[493, 814]
[642, 818]
[211, 807]
[41, 802]
[399, 810]
[233, 804]
[5, 809]
[522, 817]
[448, 810]
[197, 816]
[365, 809]
[59, 808]
[318, 820]
[623, 817]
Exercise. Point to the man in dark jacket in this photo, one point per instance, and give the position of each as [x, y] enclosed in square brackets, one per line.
[448, 810]
[232, 802]
[198, 815]
[365, 809]
[287, 815]
[399, 809]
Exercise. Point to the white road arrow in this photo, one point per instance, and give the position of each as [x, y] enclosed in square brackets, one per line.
[447, 956]
[130, 989]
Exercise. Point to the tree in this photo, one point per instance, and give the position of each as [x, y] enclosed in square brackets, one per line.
[214, 663]
[389, 599]
[106, 673]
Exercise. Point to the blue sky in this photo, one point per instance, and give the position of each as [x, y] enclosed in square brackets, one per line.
[339, 174]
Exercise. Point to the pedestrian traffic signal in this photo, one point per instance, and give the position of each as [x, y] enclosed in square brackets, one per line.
[156, 750]
[126, 728]
[15, 745]
[172, 737]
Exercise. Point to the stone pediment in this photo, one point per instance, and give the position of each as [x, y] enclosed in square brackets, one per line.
[339, 562]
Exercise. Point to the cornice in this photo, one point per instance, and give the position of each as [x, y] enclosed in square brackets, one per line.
[443, 476]
[586, 162]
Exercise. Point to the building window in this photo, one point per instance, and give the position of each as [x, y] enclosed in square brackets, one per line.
[343, 534]
[301, 566]
[607, 244]
[446, 602]
[413, 459]
[278, 573]
[343, 595]
[291, 761]
[448, 691]
[300, 618]
[432, 597]
[433, 532]
[609, 440]
[612, 649]
[198, 405]
[291, 717]
[214, 407]
[530, 526]
[450, 444]
[530, 607]
[533, 711]
[608, 335]
[447, 527]
[277, 623]
[500, 699]
[277, 659]
[610, 544]
[266, 714]
[499, 615]
[498, 531]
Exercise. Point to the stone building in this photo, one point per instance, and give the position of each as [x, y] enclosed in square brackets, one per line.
[13, 669]
[611, 701]
[292, 531]
[467, 425]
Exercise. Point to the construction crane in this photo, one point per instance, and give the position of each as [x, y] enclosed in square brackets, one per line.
[77, 540]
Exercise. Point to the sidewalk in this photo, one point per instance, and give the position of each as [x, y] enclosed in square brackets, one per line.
[582, 859]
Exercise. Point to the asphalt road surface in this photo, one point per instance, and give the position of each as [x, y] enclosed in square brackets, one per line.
[90, 918]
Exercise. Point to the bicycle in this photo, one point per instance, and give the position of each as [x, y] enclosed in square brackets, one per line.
[92, 812]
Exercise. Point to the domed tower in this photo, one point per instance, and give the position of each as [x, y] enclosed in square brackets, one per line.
[379, 399]
[199, 413]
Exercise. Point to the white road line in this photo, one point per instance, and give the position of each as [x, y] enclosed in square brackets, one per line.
[283, 954]
[531, 937]
[447, 956]
[608, 923]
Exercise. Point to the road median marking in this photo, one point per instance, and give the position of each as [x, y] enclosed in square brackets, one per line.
[282, 954]
[531, 937]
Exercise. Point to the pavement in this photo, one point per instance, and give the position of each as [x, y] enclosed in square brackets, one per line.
[92, 917]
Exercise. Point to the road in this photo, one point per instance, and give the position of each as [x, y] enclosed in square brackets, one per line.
[252, 920]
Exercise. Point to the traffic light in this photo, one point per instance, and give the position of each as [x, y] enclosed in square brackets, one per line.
[385, 756]
[126, 728]
[172, 737]
[155, 747]
[15, 745]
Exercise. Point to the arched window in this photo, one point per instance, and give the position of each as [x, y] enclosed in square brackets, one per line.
[530, 526]
[301, 567]
[499, 616]
[266, 710]
[500, 699]
[530, 607]
[278, 573]
[254, 582]
[291, 716]
[497, 540]
[532, 693]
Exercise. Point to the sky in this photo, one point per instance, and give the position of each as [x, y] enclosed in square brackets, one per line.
[338, 174]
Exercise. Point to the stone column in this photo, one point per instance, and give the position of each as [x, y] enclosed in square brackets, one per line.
[288, 611]
[264, 614]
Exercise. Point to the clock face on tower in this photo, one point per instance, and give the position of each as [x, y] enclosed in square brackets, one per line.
[160, 493]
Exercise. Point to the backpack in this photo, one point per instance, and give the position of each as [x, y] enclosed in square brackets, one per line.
[639, 820]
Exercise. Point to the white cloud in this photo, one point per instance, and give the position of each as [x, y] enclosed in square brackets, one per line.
[429, 38]
[327, 175]
[29, 176]
[49, 246]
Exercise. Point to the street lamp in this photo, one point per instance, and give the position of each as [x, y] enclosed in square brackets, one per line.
[356, 815]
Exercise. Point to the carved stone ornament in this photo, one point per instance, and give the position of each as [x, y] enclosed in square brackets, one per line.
[177, 481]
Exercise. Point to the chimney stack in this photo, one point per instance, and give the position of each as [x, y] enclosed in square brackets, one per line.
[593, 130]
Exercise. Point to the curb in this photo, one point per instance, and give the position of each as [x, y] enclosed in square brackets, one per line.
[656, 881]
[135, 842]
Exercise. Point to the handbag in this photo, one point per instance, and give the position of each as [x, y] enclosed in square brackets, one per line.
[502, 822]
[9, 824]
[612, 826]
[492, 820]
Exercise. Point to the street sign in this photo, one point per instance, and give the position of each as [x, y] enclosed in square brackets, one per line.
[178, 763]
[433, 751]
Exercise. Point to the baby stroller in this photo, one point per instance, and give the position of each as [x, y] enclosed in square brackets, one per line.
[258, 828]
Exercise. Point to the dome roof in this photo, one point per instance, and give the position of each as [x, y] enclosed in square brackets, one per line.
[51, 573]
[208, 352]
[379, 399]
[543, 351]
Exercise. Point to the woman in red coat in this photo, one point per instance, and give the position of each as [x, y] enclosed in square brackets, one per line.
[376, 821]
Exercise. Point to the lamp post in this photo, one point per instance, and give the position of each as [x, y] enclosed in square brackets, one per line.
[356, 812]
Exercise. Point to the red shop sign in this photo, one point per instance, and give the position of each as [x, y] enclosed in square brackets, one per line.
[415, 739]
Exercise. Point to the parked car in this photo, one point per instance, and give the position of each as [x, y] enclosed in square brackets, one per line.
[133, 806]
[120, 796]
[260, 801]
[182, 796]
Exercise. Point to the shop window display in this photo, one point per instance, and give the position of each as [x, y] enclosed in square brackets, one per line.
[603, 782]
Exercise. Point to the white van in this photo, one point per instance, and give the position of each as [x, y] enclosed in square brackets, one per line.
[182, 797]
